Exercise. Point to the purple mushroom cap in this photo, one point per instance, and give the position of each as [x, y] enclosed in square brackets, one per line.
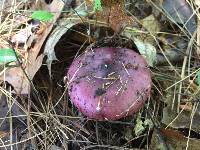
[109, 83]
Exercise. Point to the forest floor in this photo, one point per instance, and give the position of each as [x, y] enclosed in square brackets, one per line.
[39, 39]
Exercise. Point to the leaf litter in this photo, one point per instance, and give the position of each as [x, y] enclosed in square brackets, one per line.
[162, 31]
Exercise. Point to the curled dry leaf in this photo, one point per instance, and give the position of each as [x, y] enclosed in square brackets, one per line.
[65, 25]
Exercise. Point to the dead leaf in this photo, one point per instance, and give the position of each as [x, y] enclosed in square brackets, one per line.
[182, 121]
[147, 50]
[113, 14]
[174, 139]
[179, 120]
[21, 85]
[23, 35]
[65, 25]
[151, 24]
[15, 76]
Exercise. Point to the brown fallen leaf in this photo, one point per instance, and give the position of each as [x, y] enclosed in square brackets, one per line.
[174, 139]
[15, 76]
[113, 13]
[169, 134]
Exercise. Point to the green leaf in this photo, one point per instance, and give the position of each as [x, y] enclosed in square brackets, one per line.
[97, 5]
[139, 127]
[7, 55]
[198, 77]
[42, 15]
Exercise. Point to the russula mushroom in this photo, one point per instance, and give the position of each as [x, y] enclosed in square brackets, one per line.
[109, 83]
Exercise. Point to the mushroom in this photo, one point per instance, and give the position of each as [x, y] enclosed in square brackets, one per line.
[109, 83]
